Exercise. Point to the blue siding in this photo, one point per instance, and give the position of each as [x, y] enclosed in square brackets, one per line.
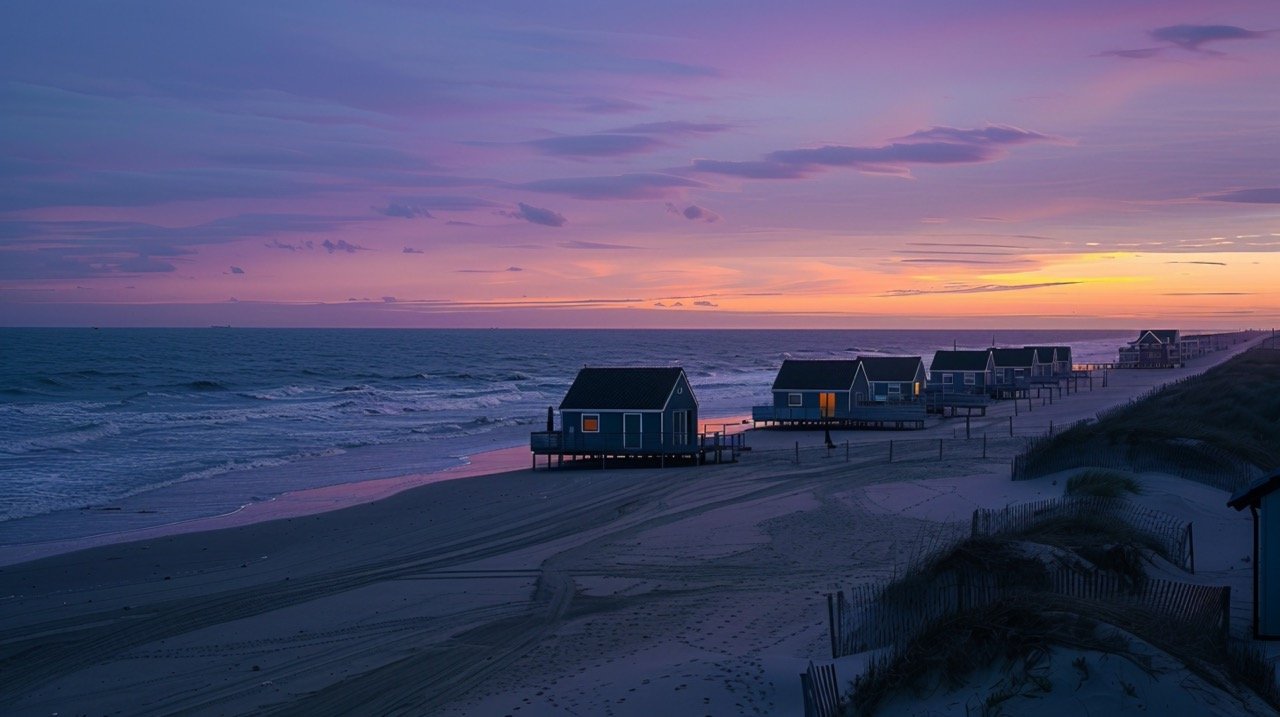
[1268, 566]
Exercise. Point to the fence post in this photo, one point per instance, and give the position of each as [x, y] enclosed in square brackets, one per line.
[966, 428]
[831, 620]
[1015, 405]
[1191, 546]
[797, 452]
[1051, 428]
[939, 449]
[890, 450]
[846, 451]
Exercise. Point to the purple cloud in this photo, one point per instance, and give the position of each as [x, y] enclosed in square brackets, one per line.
[510, 269]
[991, 134]
[647, 185]
[937, 145]
[704, 303]
[1261, 195]
[751, 170]
[237, 270]
[404, 211]
[674, 128]
[342, 245]
[595, 145]
[1191, 37]
[1142, 53]
[537, 215]
[576, 244]
[693, 212]
[411, 250]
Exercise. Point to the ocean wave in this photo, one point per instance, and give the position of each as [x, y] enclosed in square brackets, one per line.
[67, 441]
[204, 385]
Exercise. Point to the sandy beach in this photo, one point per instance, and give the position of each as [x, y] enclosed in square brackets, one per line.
[581, 592]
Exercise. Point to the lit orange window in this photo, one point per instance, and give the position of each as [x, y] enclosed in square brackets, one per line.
[591, 423]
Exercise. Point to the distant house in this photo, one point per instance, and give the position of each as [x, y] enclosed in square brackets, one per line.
[962, 371]
[629, 411]
[1046, 360]
[1014, 369]
[814, 389]
[1154, 348]
[894, 378]
[1263, 500]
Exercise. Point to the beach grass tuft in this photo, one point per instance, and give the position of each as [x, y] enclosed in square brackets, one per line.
[1102, 483]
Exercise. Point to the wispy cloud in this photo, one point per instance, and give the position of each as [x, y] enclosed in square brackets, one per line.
[510, 269]
[979, 289]
[237, 270]
[1260, 195]
[1207, 263]
[938, 145]
[536, 215]
[621, 186]
[675, 128]
[1194, 37]
[693, 213]
[411, 250]
[404, 211]
[595, 145]
[342, 246]
[576, 244]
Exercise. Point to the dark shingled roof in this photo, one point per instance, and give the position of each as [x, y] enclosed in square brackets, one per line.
[616, 388]
[1044, 353]
[816, 374]
[959, 361]
[1013, 357]
[890, 368]
[1252, 496]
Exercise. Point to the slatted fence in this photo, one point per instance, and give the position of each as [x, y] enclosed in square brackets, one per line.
[821, 691]
[1174, 537]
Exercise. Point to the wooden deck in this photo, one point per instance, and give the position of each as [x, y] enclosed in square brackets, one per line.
[617, 450]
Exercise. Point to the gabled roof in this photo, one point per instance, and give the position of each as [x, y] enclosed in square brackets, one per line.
[1014, 358]
[617, 388]
[1253, 495]
[816, 375]
[1045, 354]
[1164, 336]
[891, 368]
[960, 360]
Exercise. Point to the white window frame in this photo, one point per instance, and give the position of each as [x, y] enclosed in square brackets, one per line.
[585, 416]
[795, 400]
[970, 379]
[947, 379]
[895, 389]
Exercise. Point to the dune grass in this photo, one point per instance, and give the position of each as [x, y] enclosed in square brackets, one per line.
[1103, 484]
[1209, 425]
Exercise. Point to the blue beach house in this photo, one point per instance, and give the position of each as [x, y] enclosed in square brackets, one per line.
[970, 372]
[1262, 498]
[817, 389]
[630, 411]
[894, 378]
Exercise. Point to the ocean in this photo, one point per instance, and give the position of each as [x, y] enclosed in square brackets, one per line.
[168, 425]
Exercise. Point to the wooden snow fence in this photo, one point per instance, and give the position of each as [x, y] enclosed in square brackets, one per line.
[821, 691]
[1175, 538]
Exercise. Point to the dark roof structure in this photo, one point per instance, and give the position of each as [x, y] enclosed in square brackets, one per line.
[816, 374]
[1014, 358]
[621, 388]
[890, 368]
[960, 360]
[1044, 353]
[1252, 496]
[1164, 336]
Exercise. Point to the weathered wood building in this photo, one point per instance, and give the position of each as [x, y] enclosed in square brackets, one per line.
[1262, 498]
[894, 378]
[962, 371]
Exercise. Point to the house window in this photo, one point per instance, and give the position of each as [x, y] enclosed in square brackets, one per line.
[947, 379]
[795, 399]
[590, 423]
[895, 389]
[970, 379]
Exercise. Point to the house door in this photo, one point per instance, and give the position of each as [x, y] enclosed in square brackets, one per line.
[631, 430]
[826, 405]
[680, 429]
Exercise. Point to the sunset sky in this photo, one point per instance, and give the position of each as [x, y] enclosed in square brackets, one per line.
[1101, 163]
